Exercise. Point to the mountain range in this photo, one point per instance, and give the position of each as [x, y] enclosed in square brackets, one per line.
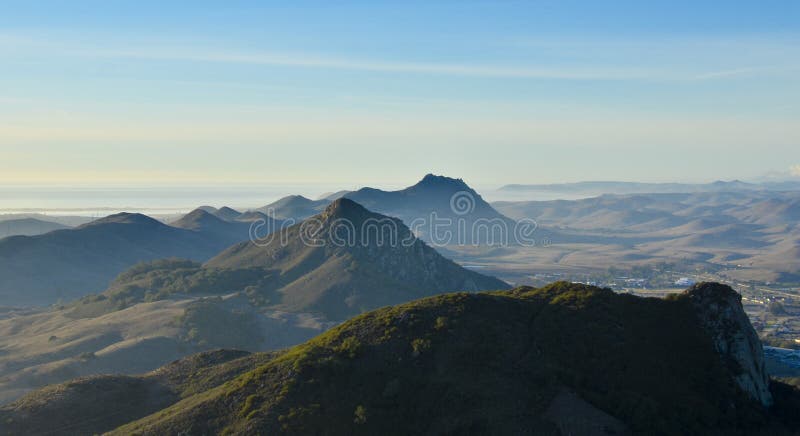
[254, 296]
[338, 263]
[70, 263]
[447, 203]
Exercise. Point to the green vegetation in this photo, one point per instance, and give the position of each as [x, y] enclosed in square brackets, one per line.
[208, 324]
[161, 279]
[495, 368]
[360, 415]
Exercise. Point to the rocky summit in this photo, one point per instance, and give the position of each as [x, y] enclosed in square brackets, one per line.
[719, 309]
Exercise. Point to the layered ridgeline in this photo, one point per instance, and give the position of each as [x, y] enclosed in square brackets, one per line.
[225, 226]
[67, 264]
[460, 214]
[563, 359]
[294, 207]
[339, 263]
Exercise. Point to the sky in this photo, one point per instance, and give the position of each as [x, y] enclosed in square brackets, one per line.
[379, 93]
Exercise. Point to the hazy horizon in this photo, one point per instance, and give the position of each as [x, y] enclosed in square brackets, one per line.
[96, 201]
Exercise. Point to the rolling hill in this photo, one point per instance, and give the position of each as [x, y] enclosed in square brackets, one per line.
[89, 405]
[67, 264]
[27, 227]
[751, 233]
[102, 335]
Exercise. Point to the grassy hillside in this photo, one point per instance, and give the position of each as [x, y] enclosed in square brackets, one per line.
[91, 405]
[98, 337]
[528, 361]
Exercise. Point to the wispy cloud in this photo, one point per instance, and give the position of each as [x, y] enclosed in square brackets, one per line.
[616, 65]
[304, 60]
[746, 71]
[794, 170]
[589, 71]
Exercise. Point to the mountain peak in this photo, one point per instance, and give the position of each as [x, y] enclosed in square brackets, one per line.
[124, 218]
[344, 208]
[196, 219]
[227, 213]
[296, 197]
[433, 180]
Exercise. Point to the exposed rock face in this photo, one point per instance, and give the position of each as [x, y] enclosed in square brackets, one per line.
[720, 311]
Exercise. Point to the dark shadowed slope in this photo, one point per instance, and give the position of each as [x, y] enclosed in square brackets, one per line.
[66, 264]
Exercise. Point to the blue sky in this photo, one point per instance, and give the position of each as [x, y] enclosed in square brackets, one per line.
[380, 93]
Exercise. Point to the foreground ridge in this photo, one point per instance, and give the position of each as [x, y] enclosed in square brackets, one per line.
[562, 359]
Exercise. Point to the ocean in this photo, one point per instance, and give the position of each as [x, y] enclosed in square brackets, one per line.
[102, 201]
[96, 202]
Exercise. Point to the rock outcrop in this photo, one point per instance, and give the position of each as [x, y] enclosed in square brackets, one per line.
[720, 311]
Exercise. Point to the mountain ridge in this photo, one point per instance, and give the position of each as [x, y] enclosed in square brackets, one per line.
[562, 359]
